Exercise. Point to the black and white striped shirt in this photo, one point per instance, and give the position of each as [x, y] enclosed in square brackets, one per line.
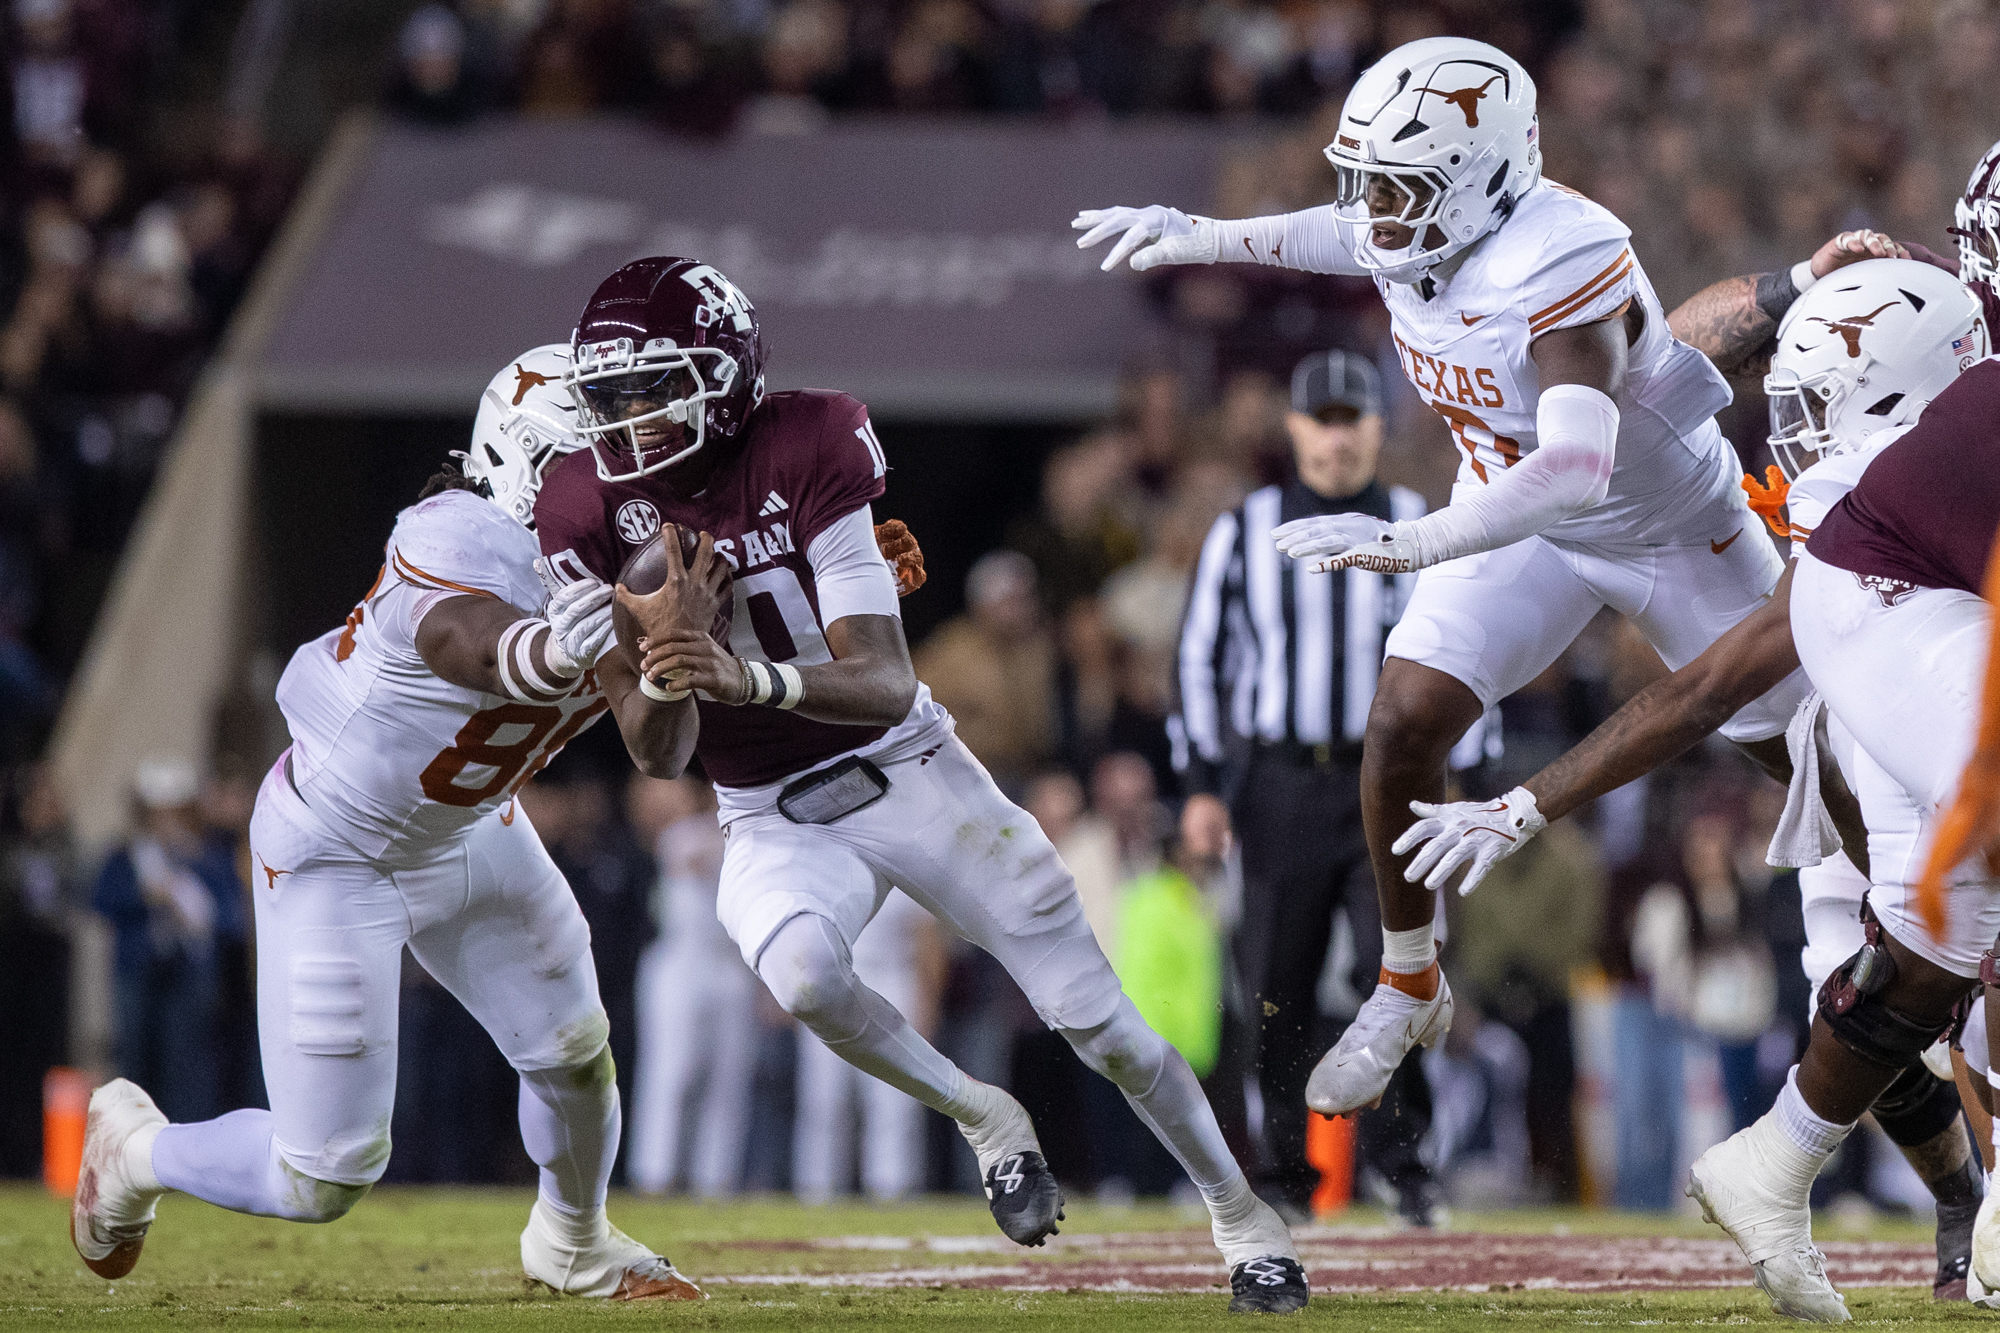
[1271, 652]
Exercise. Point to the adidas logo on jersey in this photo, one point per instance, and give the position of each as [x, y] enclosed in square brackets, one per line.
[775, 504]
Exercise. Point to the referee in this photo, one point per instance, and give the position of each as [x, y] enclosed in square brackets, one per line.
[1276, 670]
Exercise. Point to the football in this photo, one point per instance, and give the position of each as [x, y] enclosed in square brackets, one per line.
[646, 571]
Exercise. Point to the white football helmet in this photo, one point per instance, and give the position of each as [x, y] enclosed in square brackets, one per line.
[1866, 348]
[1438, 134]
[526, 421]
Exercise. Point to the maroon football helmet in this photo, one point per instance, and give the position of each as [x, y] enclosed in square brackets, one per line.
[1977, 219]
[666, 356]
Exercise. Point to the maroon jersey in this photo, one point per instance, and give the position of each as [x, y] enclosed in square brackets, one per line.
[1925, 510]
[804, 460]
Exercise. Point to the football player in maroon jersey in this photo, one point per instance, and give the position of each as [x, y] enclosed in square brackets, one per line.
[838, 775]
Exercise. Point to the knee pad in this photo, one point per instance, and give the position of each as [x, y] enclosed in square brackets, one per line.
[1917, 1107]
[583, 1044]
[1124, 1049]
[811, 976]
[592, 1075]
[306, 1199]
[1871, 1029]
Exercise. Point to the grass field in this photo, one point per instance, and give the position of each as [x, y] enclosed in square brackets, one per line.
[449, 1259]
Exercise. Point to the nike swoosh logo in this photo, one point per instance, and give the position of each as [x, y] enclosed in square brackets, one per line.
[1469, 320]
[1720, 547]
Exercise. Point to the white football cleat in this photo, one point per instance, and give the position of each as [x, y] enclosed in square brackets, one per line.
[1353, 1075]
[616, 1268]
[1756, 1185]
[1982, 1280]
[116, 1196]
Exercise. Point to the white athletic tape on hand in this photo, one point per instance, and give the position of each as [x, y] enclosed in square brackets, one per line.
[664, 695]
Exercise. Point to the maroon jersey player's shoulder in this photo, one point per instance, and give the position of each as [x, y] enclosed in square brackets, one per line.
[803, 460]
[1925, 511]
[815, 451]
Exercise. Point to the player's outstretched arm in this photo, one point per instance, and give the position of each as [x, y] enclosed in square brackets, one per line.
[481, 643]
[1734, 323]
[1576, 423]
[1664, 720]
[1670, 716]
[870, 682]
[1308, 240]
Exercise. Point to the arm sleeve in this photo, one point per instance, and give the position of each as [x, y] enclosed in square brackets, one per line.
[1577, 427]
[1308, 240]
[1198, 684]
[849, 573]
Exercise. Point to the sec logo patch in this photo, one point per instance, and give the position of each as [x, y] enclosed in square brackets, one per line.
[637, 521]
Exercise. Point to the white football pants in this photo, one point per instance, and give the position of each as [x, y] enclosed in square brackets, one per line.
[1900, 669]
[796, 896]
[833, 1095]
[490, 917]
[1496, 620]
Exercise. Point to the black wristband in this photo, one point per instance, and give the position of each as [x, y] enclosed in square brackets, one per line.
[1776, 292]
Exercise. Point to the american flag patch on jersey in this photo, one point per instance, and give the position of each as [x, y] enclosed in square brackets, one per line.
[1962, 346]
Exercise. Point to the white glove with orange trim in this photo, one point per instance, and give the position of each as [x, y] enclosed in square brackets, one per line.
[1479, 834]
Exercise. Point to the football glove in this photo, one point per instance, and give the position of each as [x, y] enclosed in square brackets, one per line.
[1351, 541]
[580, 612]
[1152, 235]
[1478, 834]
[899, 548]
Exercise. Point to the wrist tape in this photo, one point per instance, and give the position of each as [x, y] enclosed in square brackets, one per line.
[778, 685]
[531, 664]
[660, 692]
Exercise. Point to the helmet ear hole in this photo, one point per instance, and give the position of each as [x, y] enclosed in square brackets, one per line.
[1499, 179]
[1885, 406]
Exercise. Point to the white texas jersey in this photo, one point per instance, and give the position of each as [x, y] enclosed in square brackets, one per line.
[1820, 486]
[388, 754]
[1561, 260]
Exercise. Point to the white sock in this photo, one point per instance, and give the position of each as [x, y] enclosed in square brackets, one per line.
[570, 1125]
[1408, 951]
[576, 1229]
[1168, 1100]
[1811, 1134]
[139, 1159]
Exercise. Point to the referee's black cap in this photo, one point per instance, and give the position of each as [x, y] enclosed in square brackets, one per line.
[1325, 382]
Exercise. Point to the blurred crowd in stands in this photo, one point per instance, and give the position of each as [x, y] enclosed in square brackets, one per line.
[1629, 986]
[132, 218]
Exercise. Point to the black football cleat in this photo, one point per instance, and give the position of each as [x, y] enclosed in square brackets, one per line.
[1954, 1249]
[1024, 1197]
[1276, 1285]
